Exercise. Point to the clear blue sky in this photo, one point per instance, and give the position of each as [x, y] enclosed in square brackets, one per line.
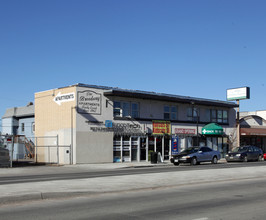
[195, 48]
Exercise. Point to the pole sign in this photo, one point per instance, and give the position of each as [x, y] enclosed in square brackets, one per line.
[174, 145]
[238, 93]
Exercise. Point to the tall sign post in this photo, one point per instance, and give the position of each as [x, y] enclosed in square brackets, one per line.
[236, 95]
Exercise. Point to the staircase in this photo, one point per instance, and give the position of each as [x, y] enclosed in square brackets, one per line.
[30, 148]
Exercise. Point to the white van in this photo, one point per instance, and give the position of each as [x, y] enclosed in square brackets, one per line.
[4, 157]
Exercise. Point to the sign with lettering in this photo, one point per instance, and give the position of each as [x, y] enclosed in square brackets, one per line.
[174, 145]
[185, 131]
[89, 102]
[120, 128]
[67, 97]
[238, 93]
[161, 127]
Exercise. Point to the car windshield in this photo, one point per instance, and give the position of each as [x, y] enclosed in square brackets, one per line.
[191, 150]
[240, 149]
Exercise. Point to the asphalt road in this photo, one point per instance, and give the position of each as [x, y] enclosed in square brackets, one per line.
[14, 179]
[235, 199]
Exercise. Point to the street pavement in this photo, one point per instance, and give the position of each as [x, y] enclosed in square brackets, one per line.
[57, 189]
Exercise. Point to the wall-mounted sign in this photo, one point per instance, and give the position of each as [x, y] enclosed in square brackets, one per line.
[108, 123]
[161, 127]
[89, 102]
[185, 131]
[238, 93]
[67, 97]
[120, 128]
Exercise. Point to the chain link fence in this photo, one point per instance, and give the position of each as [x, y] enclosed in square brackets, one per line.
[33, 150]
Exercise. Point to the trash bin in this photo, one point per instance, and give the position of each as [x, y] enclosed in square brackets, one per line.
[154, 156]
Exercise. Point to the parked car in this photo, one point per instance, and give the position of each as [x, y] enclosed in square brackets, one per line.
[195, 155]
[4, 157]
[264, 156]
[244, 154]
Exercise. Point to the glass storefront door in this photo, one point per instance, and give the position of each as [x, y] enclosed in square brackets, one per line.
[142, 149]
[134, 148]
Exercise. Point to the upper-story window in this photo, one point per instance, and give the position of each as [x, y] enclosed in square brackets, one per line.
[22, 127]
[219, 116]
[135, 110]
[170, 112]
[124, 109]
[33, 127]
[193, 114]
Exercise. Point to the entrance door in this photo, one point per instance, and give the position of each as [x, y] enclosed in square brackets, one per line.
[151, 147]
[134, 148]
[142, 148]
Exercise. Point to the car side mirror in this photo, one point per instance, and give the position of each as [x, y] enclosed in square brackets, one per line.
[200, 152]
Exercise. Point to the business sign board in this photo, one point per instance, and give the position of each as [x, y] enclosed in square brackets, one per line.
[238, 93]
[89, 102]
[174, 145]
[161, 127]
[187, 131]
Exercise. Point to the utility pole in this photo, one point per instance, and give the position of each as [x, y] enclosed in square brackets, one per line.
[237, 124]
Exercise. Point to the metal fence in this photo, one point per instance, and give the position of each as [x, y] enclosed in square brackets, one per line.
[35, 149]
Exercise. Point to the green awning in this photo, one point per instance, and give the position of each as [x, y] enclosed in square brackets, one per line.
[212, 129]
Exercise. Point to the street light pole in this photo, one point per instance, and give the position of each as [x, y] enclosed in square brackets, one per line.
[197, 127]
[197, 114]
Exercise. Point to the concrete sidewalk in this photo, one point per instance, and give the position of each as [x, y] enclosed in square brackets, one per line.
[50, 169]
[86, 187]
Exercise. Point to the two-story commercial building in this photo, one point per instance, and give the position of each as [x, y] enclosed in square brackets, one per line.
[104, 124]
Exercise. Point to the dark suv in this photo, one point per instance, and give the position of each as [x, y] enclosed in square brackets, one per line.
[244, 154]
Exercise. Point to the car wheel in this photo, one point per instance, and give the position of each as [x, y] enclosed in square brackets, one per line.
[214, 160]
[245, 159]
[176, 164]
[260, 158]
[193, 161]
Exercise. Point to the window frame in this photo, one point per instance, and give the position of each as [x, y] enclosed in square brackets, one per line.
[125, 109]
[193, 114]
[23, 127]
[219, 116]
[170, 112]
